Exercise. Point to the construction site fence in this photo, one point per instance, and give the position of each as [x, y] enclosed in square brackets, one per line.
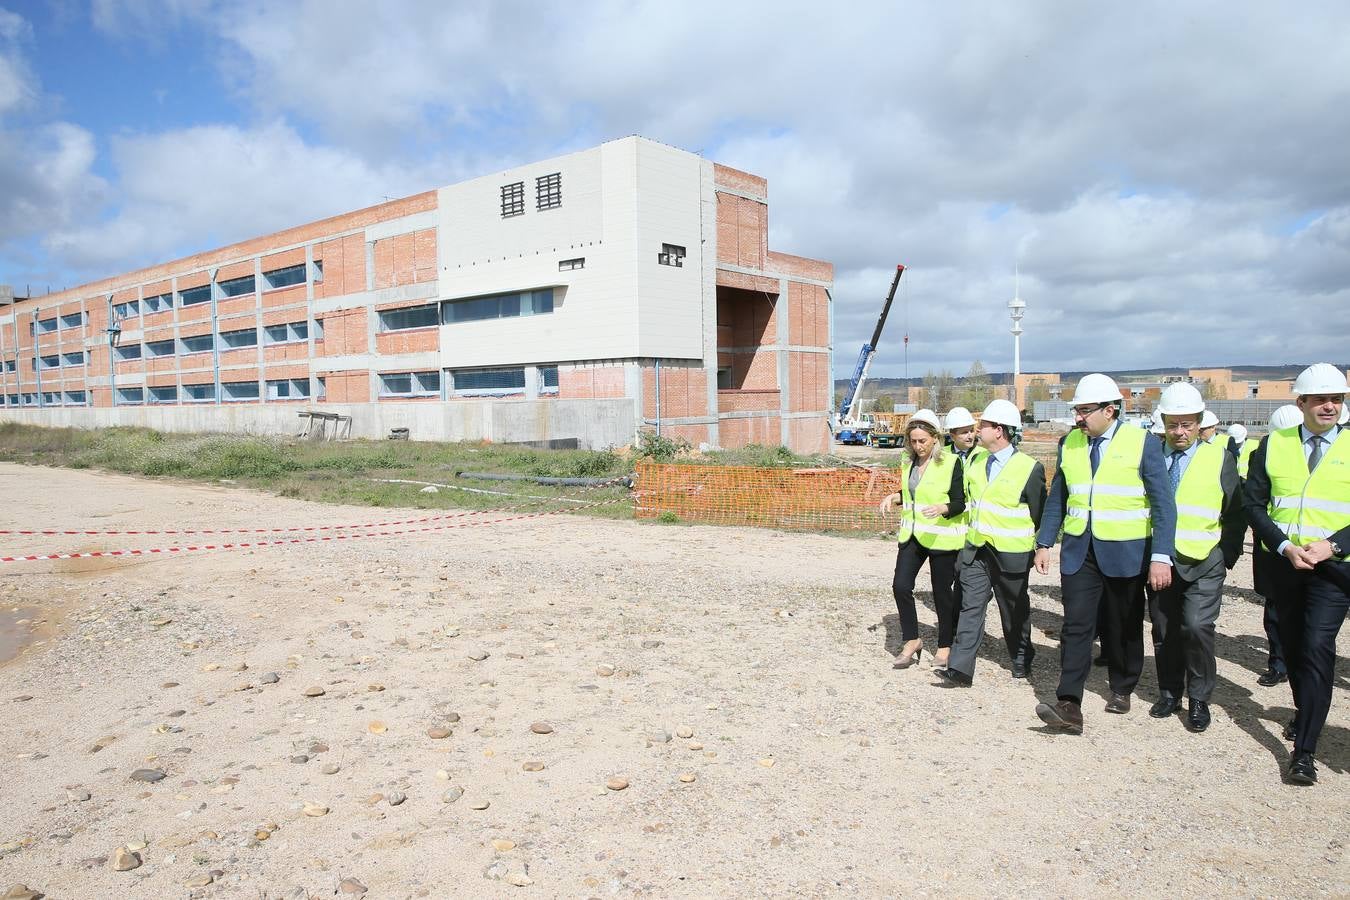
[808, 499]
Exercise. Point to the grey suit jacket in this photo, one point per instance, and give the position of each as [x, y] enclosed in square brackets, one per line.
[1116, 559]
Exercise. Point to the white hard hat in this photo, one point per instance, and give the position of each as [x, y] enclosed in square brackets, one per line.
[1002, 412]
[1286, 416]
[1208, 419]
[1238, 432]
[1095, 388]
[1345, 414]
[927, 415]
[1180, 398]
[1158, 427]
[1320, 378]
[959, 417]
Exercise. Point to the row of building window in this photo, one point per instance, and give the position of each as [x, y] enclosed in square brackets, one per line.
[49, 398]
[243, 338]
[55, 361]
[57, 323]
[231, 287]
[230, 392]
[467, 382]
[476, 309]
[547, 195]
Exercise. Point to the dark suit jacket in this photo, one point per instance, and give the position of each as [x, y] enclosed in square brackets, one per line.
[1033, 495]
[1256, 498]
[1116, 559]
[1234, 528]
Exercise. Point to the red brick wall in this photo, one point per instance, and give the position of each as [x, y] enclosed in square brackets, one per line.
[808, 315]
[734, 433]
[344, 332]
[746, 401]
[591, 383]
[684, 392]
[344, 266]
[412, 340]
[736, 180]
[742, 231]
[808, 382]
[286, 296]
[347, 387]
[746, 318]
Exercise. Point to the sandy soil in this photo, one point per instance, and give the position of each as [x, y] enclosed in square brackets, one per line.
[816, 769]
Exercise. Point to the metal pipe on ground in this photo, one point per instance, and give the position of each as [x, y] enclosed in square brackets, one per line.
[625, 480]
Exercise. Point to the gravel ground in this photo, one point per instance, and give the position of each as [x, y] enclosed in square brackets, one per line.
[738, 680]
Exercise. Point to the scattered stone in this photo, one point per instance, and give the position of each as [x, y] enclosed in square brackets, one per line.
[373, 799]
[136, 846]
[519, 879]
[269, 678]
[352, 887]
[78, 795]
[430, 489]
[210, 667]
[452, 795]
[374, 688]
[541, 728]
[124, 860]
[330, 768]
[502, 845]
[242, 667]
[160, 623]
[478, 655]
[315, 810]
[314, 691]
[377, 727]
[261, 834]
[202, 880]
[442, 774]
[604, 671]
[696, 746]
[396, 798]
[22, 892]
[452, 718]
[532, 765]
[615, 783]
[317, 747]
[660, 736]
[23, 698]
[169, 684]
[650, 645]
[299, 758]
[438, 732]
[684, 731]
[688, 777]
[479, 805]
[767, 762]
[176, 713]
[148, 776]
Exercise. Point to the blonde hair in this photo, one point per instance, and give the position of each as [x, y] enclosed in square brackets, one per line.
[931, 432]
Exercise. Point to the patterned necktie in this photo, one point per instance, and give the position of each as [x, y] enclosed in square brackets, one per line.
[1316, 455]
[1174, 473]
[1096, 454]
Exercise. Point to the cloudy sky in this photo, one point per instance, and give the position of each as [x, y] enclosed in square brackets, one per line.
[1172, 179]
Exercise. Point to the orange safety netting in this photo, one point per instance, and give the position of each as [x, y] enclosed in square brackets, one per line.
[776, 498]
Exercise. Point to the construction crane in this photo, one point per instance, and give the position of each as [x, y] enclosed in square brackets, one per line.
[853, 428]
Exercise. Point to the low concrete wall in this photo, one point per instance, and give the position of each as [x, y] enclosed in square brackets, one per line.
[596, 424]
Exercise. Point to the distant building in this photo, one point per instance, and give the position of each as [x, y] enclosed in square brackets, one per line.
[622, 288]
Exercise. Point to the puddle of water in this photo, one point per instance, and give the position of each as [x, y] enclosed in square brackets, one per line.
[15, 631]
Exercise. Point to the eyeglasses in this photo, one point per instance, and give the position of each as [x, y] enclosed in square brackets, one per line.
[1086, 411]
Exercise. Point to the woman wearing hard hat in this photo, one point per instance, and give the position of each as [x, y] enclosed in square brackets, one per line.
[1298, 501]
[931, 529]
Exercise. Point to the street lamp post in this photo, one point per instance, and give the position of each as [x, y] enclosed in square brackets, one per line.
[1016, 309]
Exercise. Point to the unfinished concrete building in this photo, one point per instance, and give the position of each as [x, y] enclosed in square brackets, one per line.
[583, 298]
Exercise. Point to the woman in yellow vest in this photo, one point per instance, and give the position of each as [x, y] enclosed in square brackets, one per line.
[931, 529]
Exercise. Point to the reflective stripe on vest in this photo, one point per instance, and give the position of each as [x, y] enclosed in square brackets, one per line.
[998, 515]
[1200, 503]
[1245, 456]
[934, 488]
[1308, 508]
[1114, 497]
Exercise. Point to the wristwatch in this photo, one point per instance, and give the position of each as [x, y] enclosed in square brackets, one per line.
[1336, 549]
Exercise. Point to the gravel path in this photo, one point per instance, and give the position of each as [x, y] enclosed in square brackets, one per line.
[737, 680]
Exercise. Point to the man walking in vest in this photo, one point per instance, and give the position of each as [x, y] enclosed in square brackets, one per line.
[1112, 498]
[1210, 526]
[1298, 501]
[1005, 494]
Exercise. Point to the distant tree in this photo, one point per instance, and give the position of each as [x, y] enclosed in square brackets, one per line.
[941, 389]
[1208, 390]
[978, 389]
[885, 404]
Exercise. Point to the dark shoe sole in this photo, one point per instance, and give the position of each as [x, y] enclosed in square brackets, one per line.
[1165, 715]
[1196, 729]
[1305, 780]
[1271, 682]
[1051, 718]
[1116, 710]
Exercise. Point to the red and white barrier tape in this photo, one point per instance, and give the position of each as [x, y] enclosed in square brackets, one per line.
[242, 545]
[459, 515]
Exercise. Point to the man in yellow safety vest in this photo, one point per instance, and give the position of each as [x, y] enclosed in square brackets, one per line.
[1112, 499]
[1210, 526]
[1298, 501]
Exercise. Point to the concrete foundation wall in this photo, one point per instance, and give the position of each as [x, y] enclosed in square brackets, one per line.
[596, 424]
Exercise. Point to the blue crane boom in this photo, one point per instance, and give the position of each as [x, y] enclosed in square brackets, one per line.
[868, 349]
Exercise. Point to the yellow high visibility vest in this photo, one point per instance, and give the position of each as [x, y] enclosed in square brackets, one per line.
[998, 515]
[1308, 508]
[1114, 496]
[934, 488]
[1245, 456]
[1200, 503]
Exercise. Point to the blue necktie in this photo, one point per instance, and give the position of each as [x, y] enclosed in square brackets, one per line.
[1174, 473]
[989, 467]
[1096, 454]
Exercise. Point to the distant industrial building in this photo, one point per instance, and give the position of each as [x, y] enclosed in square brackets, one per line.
[583, 298]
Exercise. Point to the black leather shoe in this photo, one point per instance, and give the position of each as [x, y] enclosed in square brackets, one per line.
[1165, 707]
[952, 678]
[1290, 732]
[1197, 717]
[1301, 769]
[1118, 704]
[1065, 715]
[1270, 678]
[1021, 670]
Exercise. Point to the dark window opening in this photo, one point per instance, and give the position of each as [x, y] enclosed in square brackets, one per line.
[513, 199]
[548, 191]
